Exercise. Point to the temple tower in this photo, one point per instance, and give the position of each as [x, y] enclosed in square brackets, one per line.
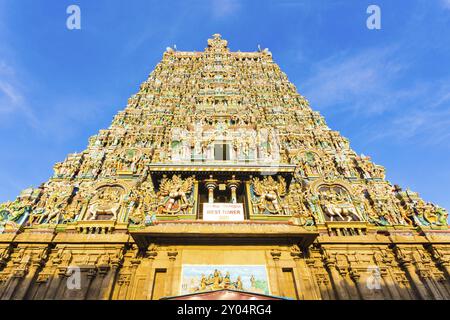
[218, 175]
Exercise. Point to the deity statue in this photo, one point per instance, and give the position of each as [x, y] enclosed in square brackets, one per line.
[269, 195]
[311, 163]
[428, 214]
[106, 201]
[336, 202]
[342, 165]
[173, 194]
[147, 204]
[13, 212]
[52, 205]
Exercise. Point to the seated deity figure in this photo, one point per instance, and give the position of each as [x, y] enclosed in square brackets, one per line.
[107, 201]
[335, 202]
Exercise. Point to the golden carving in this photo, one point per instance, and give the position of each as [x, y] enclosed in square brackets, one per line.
[107, 202]
[173, 194]
[269, 195]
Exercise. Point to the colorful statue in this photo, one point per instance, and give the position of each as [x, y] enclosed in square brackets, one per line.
[173, 193]
[269, 195]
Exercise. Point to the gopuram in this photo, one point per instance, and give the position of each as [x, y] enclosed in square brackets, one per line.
[219, 176]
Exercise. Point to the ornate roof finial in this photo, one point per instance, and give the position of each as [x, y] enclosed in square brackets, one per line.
[217, 41]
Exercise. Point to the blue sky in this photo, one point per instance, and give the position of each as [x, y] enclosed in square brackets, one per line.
[387, 90]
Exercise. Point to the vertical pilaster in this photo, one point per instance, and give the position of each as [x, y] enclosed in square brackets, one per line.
[275, 274]
[110, 280]
[416, 283]
[172, 254]
[307, 287]
[338, 282]
[24, 273]
[318, 279]
[131, 293]
[151, 256]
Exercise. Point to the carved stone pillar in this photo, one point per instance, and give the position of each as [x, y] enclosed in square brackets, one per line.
[95, 287]
[4, 278]
[338, 282]
[319, 279]
[417, 284]
[4, 256]
[87, 291]
[276, 254]
[16, 277]
[387, 287]
[110, 280]
[104, 282]
[27, 278]
[445, 264]
[151, 256]
[172, 257]
[211, 185]
[132, 283]
[55, 282]
[123, 284]
[233, 185]
[388, 277]
[302, 290]
[307, 287]
[92, 274]
[350, 277]
[427, 277]
[48, 279]
[442, 260]
[355, 275]
[324, 283]
[7, 281]
[443, 284]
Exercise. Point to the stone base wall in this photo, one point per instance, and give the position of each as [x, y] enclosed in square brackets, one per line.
[47, 265]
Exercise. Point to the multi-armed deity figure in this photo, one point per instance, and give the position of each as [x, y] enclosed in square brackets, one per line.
[173, 194]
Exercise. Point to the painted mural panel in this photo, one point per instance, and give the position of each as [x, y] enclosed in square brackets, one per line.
[201, 278]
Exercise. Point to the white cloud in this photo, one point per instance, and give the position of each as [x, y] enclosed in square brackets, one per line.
[357, 82]
[224, 8]
[12, 98]
[446, 4]
[10, 94]
[427, 117]
[375, 84]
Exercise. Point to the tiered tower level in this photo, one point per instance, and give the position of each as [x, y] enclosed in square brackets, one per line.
[219, 161]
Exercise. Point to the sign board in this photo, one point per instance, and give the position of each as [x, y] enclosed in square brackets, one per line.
[223, 212]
